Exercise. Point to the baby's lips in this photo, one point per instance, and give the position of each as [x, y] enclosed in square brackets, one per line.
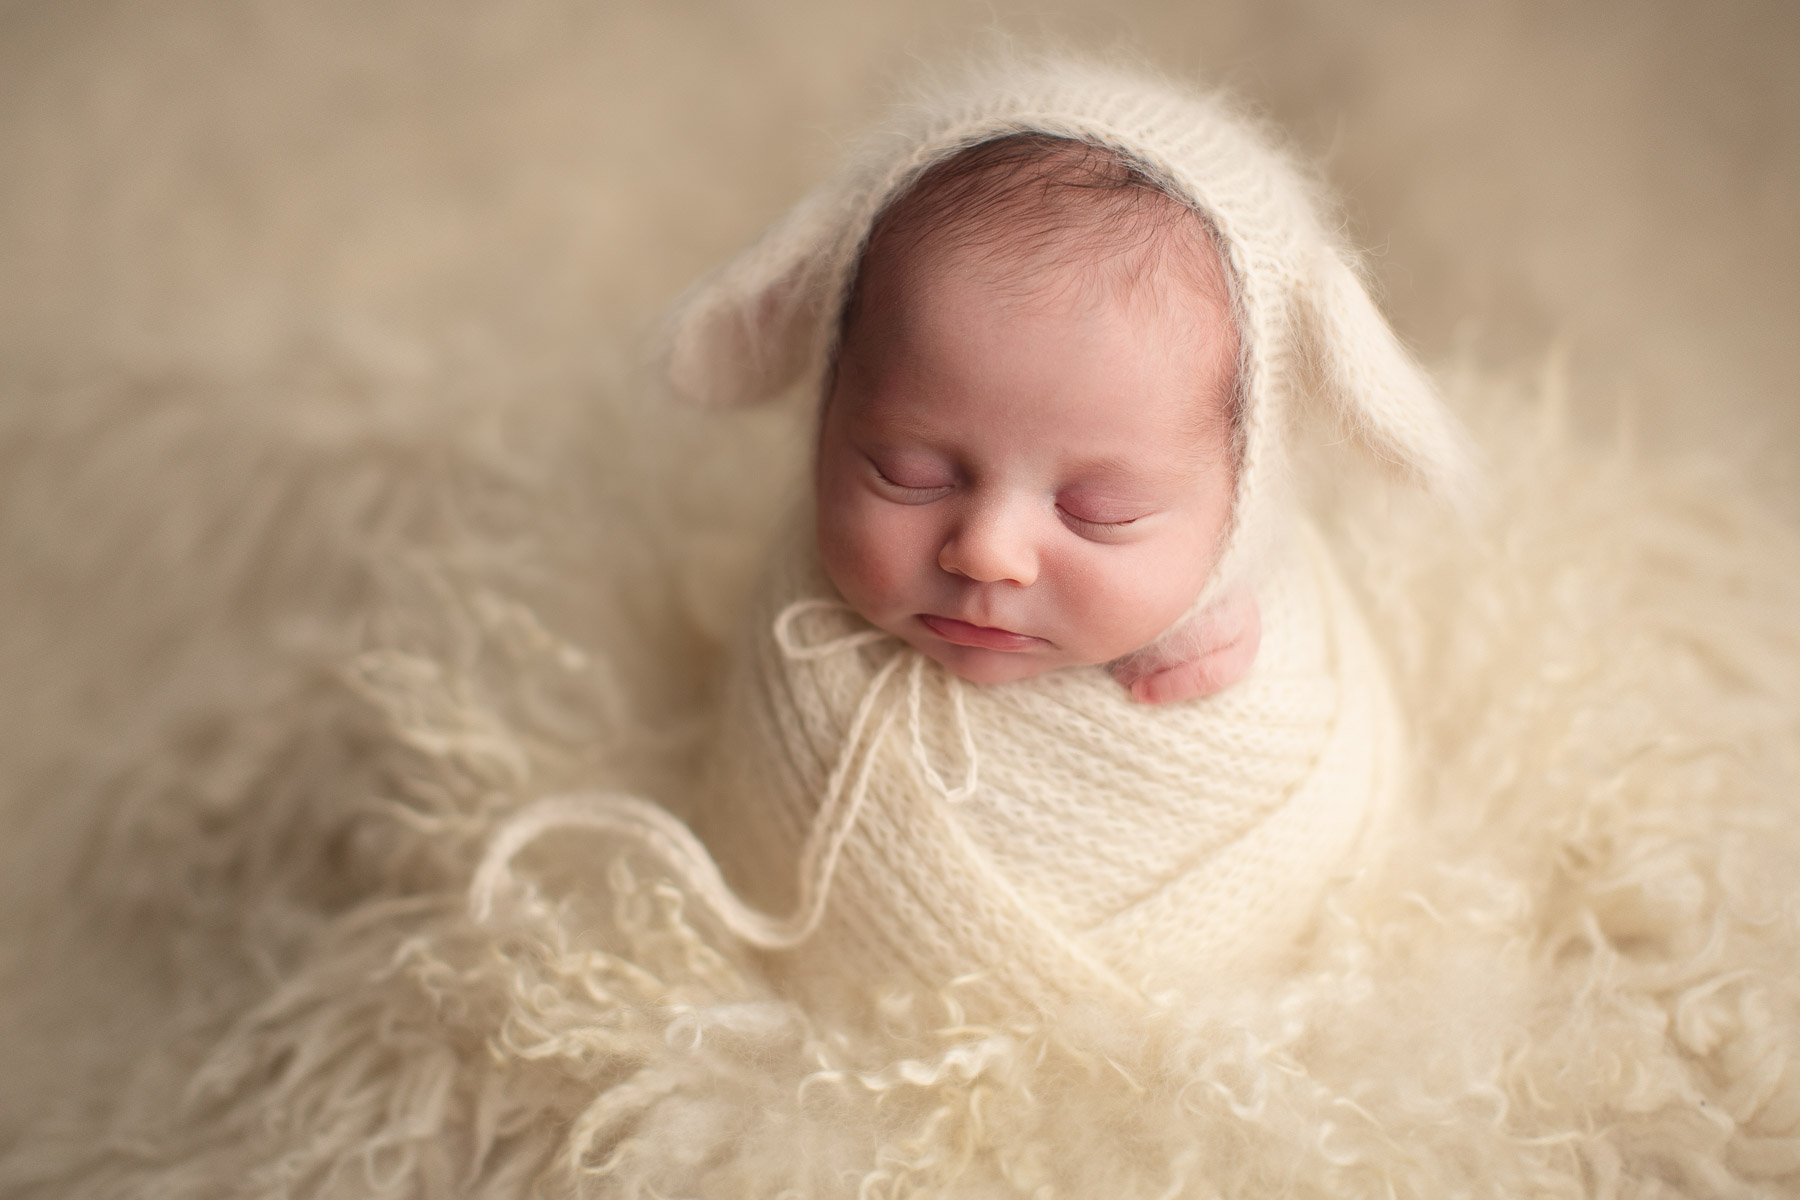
[981, 637]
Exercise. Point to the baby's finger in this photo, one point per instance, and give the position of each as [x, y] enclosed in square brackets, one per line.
[1184, 681]
[1235, 617]
[1230, 663]
[1205, 675]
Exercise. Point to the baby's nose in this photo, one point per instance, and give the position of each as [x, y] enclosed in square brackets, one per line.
[991, 546]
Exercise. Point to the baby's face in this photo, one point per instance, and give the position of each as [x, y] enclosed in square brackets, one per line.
[1020, 471]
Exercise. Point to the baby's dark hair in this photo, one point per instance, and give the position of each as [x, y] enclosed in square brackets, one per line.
[1036, 199]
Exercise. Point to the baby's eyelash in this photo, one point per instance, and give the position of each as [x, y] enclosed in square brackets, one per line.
[1087, 524]
[907, 487]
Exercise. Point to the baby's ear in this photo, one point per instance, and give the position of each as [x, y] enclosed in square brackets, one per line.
[749, 330]
[1380, 395]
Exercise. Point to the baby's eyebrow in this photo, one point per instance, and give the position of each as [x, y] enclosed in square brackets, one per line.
[1118, 469]
[894, 418]
[894, 421]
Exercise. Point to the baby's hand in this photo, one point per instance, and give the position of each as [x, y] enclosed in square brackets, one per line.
[1209, 658]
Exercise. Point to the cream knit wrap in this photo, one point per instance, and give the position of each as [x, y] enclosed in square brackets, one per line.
[1042, 840]
[868, 820]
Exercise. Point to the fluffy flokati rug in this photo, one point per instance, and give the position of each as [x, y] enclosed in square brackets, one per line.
[382, 618]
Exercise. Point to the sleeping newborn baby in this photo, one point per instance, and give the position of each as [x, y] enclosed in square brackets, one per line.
[1063, 326]
[1027, 447]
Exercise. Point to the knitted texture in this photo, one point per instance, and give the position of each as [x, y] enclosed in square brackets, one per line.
[1045, 839]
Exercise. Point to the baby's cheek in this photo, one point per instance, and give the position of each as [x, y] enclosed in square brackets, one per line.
[1135, 598]
[865, 551]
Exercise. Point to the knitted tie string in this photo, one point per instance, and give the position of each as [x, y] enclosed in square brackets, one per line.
[782, 628]
[960, 714]
[794, 648]
[675, 846]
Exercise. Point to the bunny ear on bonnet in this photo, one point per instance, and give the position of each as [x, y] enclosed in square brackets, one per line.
[1377, 392]
[751, 329]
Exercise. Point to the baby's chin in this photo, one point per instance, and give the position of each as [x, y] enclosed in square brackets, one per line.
[976, 665]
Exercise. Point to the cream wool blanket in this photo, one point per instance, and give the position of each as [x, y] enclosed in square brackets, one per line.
[1572, 974]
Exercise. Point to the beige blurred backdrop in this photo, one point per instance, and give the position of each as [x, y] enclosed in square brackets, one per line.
[222, 184]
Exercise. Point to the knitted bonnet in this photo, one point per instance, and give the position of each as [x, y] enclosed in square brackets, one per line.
[1312, 343]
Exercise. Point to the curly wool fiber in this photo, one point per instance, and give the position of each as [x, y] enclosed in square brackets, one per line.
[1571, 976]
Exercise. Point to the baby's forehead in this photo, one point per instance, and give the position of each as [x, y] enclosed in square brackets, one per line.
[1047, 212]
[1031, 223]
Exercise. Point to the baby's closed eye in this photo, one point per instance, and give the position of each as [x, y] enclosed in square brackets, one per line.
[912, 474]
[1090, 525]
[1101, 514]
